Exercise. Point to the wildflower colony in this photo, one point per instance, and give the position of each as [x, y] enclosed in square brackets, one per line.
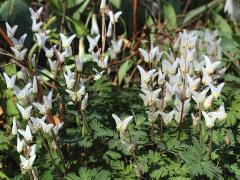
[179, 90]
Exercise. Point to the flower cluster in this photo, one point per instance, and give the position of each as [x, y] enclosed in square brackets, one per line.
[98, 53]
[24, 147]
[190, 75]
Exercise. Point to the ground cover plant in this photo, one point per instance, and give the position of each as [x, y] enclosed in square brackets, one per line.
[93, 90]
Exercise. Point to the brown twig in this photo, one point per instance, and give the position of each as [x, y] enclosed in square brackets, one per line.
[6, 38]
[135, 4]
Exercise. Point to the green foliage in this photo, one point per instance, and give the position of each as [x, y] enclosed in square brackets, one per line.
[170, 16]
[123, 70]
[197, 156]
[94, 174]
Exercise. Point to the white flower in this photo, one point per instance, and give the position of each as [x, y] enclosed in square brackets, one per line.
[109, 30]
[57, 127]
[221, 114]
[206, 79]
[216, 90]
[20, 144]
[79, 63]
[36, 26]
[35, 86]
[103, 4]
[94, 27]
[114, 17]
[11, 30]
[26, 164]
[32, 150]
[36, 122]
[68, 52]
[195, 119]
[25, 112]
[49, 52]
[193, 83]
[190, 55]
[26, 134]
[145, 76]
[152, 116]
[149, 56]
[211, 67]
[167, 117]
[48, 100]
[53, 65]
[150, 97]
[187, 40]
[175, 79]
[41, 38]
[208, 101]
[199, 97]
[230, 9]
[84, 102]
[210, 118]
[19, 55]
[168, 67]
[76, 96]
[161, 77]
[46, 127]
[98, 75]
[10, 81]
[61, 56]
[103, 63]
[69, 78]
[66, 42]
[115, 49]
[122, 125]
[19, 43]
[93, 42]
[41, 108]
[170, 91]
[33, 60]
[95, 56]
[23, 74]
[36, 14]
[197, 66]
[14, 127]
[24, 93]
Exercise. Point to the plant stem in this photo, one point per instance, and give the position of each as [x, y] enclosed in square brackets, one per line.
[30, 175]
[152, 132]
[47, 147]
[135, 4]
[181, 119]
[63, 20]
[200, 125]
[103, 34]
[161, 109]
[60, 153]
[210, 141]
